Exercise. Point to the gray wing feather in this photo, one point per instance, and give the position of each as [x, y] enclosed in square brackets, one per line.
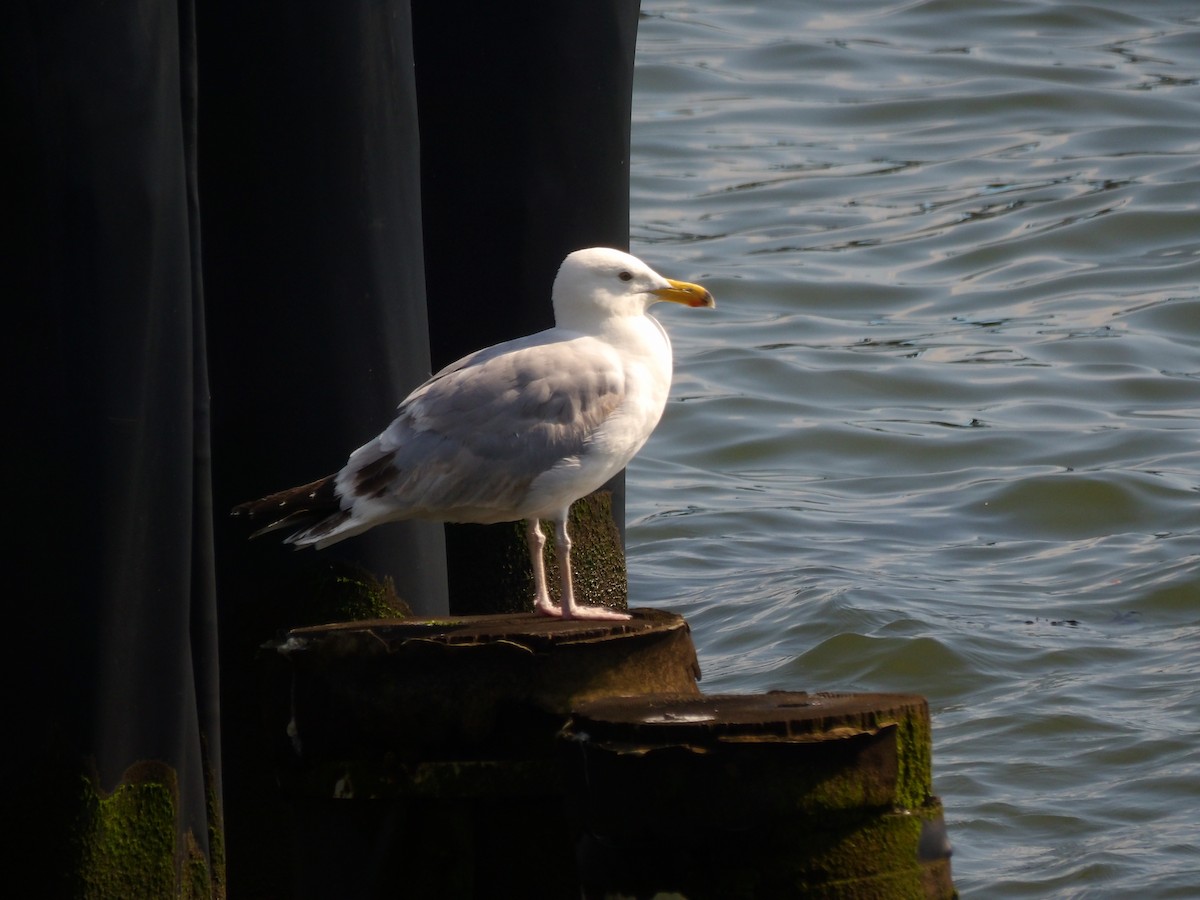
[478, 433]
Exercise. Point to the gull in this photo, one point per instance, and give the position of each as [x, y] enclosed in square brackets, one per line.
[517, 431]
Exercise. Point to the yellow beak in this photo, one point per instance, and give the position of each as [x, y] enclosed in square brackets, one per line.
[685, 293]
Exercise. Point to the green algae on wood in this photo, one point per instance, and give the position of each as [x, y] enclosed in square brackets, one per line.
[125, 841]
[341, 591]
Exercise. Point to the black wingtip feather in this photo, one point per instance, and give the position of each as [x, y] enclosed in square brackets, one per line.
[294, 507]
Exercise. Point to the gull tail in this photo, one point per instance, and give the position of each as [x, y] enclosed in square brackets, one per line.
[314, 509]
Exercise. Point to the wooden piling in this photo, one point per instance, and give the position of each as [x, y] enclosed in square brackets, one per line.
[518, 755]
[450, 726]
[784, 794]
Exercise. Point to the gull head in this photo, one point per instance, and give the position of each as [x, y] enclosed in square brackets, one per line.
[601, 282]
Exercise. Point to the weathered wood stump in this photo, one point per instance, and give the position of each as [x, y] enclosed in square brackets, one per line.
[518, 755]
[492, 687]
[776, 795]
[450, 725]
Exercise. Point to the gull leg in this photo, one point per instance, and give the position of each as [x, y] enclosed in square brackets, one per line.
[570, 609]
[537, 542]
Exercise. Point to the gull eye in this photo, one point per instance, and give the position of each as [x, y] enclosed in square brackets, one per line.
[626, 276]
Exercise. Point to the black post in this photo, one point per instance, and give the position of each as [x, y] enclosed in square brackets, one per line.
[525, 116]
[112, 717]
[314, 277]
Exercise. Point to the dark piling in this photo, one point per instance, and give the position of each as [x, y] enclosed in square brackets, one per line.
[427, 747]
[778, 795]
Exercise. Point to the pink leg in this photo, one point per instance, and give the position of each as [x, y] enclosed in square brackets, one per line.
[537, 542]
[570, 609]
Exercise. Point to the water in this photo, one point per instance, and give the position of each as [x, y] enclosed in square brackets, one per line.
[942, 433]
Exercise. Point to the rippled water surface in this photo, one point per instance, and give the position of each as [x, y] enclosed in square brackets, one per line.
[942, 433]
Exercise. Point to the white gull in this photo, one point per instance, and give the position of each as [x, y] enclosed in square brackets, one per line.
[516, 431]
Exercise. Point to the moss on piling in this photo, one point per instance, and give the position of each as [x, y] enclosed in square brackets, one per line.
[126, 843]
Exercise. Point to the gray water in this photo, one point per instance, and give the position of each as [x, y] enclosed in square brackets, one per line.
[942, 433]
